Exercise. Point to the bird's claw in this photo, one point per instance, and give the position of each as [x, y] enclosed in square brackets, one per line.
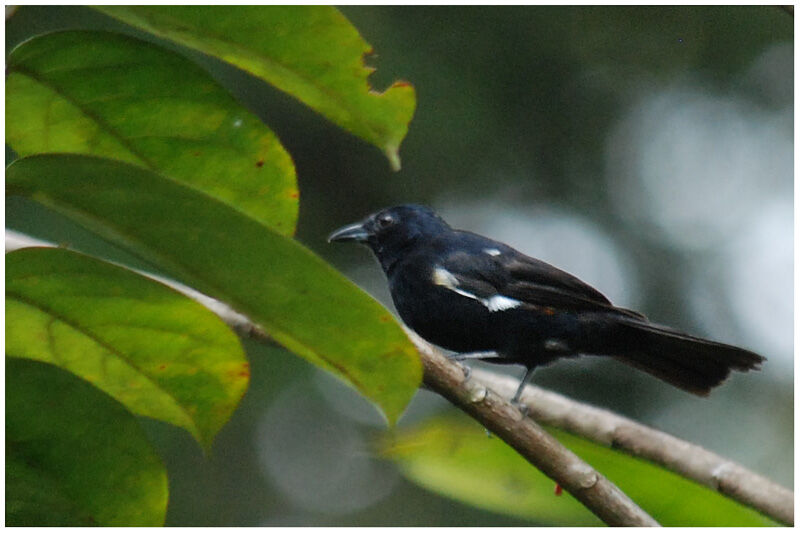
[464, 368]
[522, 407]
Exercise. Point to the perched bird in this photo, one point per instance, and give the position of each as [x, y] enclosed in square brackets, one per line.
[484, 299]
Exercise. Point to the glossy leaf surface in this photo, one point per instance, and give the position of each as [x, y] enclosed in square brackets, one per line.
[300, 300]
[311, 52]
[151, 348]
[109, 95]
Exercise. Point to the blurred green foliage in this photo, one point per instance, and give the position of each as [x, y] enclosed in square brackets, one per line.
[74, 456]
[455, 457]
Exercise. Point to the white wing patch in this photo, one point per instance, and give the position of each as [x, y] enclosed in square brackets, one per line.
[492, 251]
[497, 302]
[444, 278]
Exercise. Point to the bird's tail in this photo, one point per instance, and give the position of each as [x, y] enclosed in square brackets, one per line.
[690, 363]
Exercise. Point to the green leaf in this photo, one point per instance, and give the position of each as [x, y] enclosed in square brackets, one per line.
[311, 52]
[456, 458]
[74, 456]
[300, 300]
[153, 349]
[110, 95]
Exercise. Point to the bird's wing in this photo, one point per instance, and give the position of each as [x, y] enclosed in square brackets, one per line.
[529, 270]
[502, 278]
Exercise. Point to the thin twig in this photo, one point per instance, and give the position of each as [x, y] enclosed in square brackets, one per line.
[602, 497]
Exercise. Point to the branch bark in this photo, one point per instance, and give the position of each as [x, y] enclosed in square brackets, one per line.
[689, 460]
[543, 451]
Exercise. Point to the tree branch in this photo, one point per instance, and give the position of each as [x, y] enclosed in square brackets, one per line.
[445, 377]
[689, 460]
[543, 451]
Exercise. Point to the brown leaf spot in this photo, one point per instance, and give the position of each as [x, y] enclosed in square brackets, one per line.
[294, 195]
[385, 318]
[242, 372]
[162, 367]
[260, 163]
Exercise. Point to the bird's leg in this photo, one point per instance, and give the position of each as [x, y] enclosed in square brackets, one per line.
[525, 380]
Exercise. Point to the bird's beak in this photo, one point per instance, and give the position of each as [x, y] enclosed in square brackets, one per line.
[352, 232]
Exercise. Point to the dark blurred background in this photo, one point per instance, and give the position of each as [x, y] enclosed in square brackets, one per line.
[647, 150]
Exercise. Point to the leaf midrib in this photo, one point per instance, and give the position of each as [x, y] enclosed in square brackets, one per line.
[102, 124]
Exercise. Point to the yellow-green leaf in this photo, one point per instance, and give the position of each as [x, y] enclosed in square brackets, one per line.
[74, 456]
[109, 95]
[154, 350]
[300, 300]
[311, 52]
[455, 457]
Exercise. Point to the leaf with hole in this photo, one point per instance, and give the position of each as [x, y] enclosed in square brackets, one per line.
[301, 301]
[455, 457]
[74, 456]
[109, 95]
[153, 349]
[311, 52]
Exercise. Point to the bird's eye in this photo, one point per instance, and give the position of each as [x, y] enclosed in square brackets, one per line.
[384, 221]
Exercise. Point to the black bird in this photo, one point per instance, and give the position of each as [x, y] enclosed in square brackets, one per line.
[486, 300]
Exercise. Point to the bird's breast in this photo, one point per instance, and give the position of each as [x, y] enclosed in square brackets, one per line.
[441, 316]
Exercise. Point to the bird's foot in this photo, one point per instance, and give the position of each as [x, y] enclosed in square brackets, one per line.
[522, 407]
[515, 401]
[464, 368]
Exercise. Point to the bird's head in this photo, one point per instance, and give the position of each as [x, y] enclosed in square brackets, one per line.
[391, 230]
